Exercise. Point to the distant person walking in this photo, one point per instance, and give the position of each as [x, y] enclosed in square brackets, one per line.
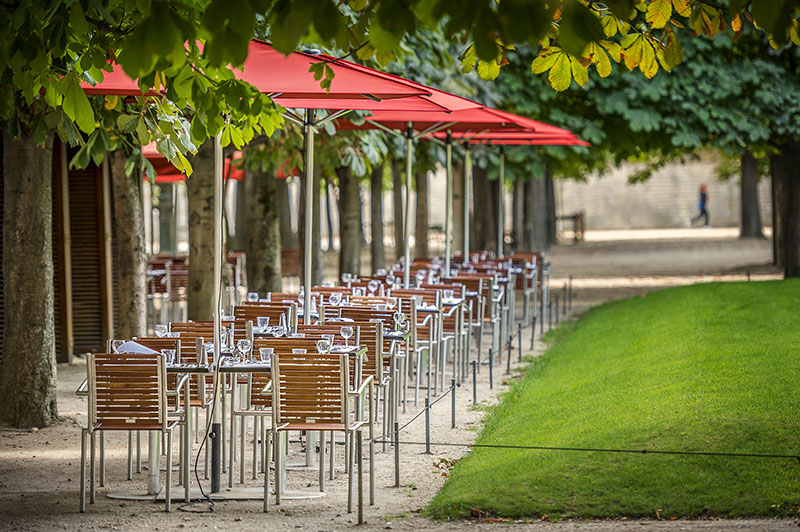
[702, 206]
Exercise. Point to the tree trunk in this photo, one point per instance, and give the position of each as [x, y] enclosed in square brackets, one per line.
[349, 230]
[785, 168]
[528, 212]
[167, 242]
[778, 200]
[263, 242]
[288, 236]
[329, 200]
[378, 254]
[751, 213]
[200, 190]
[457, 243]
[421, 216]
[397, 193]
[550, 191]
[518, 215]
[238, 240]
[131, 251]
[484, 222]
[28, 365]
[540, 236]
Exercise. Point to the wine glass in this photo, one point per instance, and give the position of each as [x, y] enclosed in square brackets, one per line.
[160, 330]
[169, 355]
[115, 345]
[252, 297]
[358, 292]
[346, 277]
[323, 346]
[263, 322]
[449, 293]
[380, 272]
[372, 286]
[299, 351]
[328, 337]
[279, 331]
[346, 331]
[244, 348]
[335, 298]
[399, 320]
[266, 353]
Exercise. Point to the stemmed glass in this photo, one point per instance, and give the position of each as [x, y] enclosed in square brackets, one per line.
[252, 296]
[169, 355]
[115, 345]
[244, 348]
[346, 331]
[399, 320]
[347, 277]
[372, 286]
[262, 322]
[266, 353]
[160, 330]
[335, 298]
[323, 346]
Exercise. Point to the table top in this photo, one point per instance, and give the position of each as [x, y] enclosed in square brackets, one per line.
[397, 335]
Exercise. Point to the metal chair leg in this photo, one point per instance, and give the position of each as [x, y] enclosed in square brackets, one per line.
[83, 470]
[266, 476]
[278, 460]
[168, 482]
[130, 455]
[321, 460]
[92, 467]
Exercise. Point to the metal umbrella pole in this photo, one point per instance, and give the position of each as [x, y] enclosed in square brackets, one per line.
[216, 433]
[448, 202]
[500, 204]
[309, 131]
[407, 251]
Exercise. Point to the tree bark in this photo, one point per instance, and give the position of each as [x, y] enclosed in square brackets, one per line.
[778, 200]
[551, 208]
[378, 254]
[458, 208]
[751, 213]
[785, 168]
[421, 216]
[397, 193]
[263, 242]
[518, 215]
[237, 241]
[28, 365]
[167, 242]
[349, 230]
[540, 236]
[288, 236]
[200, 190]
[529, 210]
[484, 221]
[329, 200]
[131, 251]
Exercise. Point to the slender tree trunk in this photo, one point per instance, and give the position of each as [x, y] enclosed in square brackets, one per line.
[540, 235]
[28, 365]
[484, 222]
[397, 193]
[378, 254]
[751, 213]
[200, 189]
[518, 215]
[529, 208]
[263, 237]
[166, 219]
[238, 240]
[550, 190]
[421, 222]
[458, 208]
[786, 166]
[778, 200]
[131, 251]
[350, 246]
[288, 236]
[329, 199]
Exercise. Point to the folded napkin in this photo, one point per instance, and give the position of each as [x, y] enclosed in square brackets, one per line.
[134, 347]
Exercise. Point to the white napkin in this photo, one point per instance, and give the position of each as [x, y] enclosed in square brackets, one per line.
[134, 347]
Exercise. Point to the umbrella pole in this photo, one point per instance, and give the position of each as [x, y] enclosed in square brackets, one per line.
[309, 126]
[409, 155]
[217, 421]
[448, 204]
[500, 204]
[467, 197]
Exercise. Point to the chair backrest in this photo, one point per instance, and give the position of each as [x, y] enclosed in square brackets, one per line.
[127, 391]
[309, 388]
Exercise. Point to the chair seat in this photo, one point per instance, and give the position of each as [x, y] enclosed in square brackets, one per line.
[134, 426]
[312, 426]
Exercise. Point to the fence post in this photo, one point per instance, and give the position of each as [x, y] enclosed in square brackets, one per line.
[453, 403]
[557, 312]
[491, 372]
[565, 299]
[533, 331]
[474, 385]
[427, 426]
[396, 454]
[519, 340]
[541, 314]
[508, 358]
[550, 315]
[570, 292]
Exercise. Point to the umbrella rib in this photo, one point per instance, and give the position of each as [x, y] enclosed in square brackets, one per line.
[332, 116]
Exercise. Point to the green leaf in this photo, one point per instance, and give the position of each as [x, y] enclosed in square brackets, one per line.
[546, 59]
[76, 104]
[579, 72]
[561, 73]
[621, 8]
[382, 39]
[488, 70]
[128, 123]
[577, 28]
[468, 59]
[659, 12]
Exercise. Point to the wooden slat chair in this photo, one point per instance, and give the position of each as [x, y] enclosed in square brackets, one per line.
[251, 311]
[492, 306]
[453, 333]
[424, 337]
[126, 392]
[529, 282]
[310, 392]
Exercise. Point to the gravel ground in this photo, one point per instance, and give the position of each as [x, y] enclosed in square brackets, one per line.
[39, 470]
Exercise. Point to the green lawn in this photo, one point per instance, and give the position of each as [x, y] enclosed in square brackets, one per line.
[712, 367]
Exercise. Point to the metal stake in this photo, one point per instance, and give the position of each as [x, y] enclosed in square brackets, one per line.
[427, 426]
[474, 385]
[558, 314]
[396, 455]
[519, 340]
[508, 358]
[549, 315]
[453, 403]
[491, 365]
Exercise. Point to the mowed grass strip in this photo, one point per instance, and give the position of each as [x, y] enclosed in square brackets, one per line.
[713, 367]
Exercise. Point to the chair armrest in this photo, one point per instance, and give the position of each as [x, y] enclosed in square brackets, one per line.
[83, 388]
[367, 380]
[450, 312]
[424, 322]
